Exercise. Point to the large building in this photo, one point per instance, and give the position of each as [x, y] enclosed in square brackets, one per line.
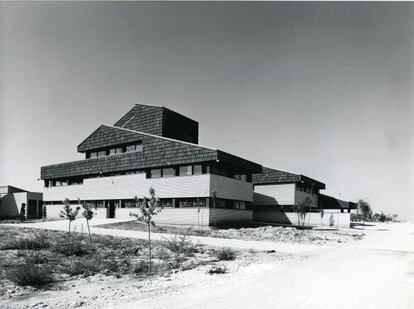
[153, 146]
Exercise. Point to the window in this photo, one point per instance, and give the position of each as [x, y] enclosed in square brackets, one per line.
[134, 147]
[128, 204]
[185, 170]
[198, 169]
[187, 202]
[130, 148]
[102, 153]
[93, 154]
[168, 172]
[112, 151]
[243, 177]
[166, 202]
[156, 173]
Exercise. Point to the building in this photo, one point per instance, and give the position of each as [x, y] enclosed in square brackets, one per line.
[153, 146]
[276, 193]
[12, 199]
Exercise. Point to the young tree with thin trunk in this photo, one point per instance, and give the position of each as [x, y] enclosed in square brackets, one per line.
[88, 214]
[148, 209]
[69, 213]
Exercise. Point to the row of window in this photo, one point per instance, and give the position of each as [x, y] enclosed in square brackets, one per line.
[114, 150]
[186, 170]
[176, 203]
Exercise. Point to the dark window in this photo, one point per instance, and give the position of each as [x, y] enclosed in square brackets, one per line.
[185, 170]
[156, 173]
[168, 172]
[166, 202]
[128, 204]
[198, 169]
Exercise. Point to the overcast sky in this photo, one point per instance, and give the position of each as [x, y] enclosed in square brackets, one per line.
[320, 89]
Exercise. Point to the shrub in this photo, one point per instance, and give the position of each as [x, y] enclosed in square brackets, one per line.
[79, 266]
[162, 253]
[32, 242]
[30, 274]
[75, 247]
[225, 253]
[180, 245]
[217, 269]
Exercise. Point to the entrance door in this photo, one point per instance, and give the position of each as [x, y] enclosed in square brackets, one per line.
[111, 209]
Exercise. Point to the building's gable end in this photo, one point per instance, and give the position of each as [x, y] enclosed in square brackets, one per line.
[106, 136]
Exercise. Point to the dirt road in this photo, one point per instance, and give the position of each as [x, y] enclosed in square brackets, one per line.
[377, 272]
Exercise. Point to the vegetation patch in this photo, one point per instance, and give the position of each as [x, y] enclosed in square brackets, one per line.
[225, 254]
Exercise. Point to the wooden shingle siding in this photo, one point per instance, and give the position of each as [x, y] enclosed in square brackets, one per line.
[273, 176]
[156, 152]
[106, 136]
[143, 118]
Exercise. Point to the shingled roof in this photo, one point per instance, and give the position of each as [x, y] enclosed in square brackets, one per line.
[330, 202]
[157, 151]
[273, 176]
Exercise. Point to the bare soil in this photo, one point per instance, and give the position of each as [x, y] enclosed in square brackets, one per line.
[271, 233]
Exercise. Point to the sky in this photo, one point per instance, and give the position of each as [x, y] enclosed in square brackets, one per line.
[323, 89]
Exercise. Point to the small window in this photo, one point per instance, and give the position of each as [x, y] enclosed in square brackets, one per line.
[185, 170]
[138, 147]
[130, 148]
[156, 173]
[243, 177]
[94, 154]
[112, 151]
[102, 153]
[168, 172]
[198, 169]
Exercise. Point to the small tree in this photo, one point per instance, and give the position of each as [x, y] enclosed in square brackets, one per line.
[88, 214]
[302, 209]
[69, 213]
[147, 209]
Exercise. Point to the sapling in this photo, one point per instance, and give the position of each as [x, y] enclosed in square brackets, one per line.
[147, 209]
[69, 213]
[88, 214]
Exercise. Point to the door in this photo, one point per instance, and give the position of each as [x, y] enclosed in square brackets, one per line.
[111, 209]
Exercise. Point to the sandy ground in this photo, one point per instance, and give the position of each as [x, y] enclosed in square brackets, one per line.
[80, 226]
[376, 272]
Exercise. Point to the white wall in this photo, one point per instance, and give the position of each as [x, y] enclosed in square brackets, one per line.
[314, 219]
[129, 186]
[282, 194]
[229, 188]
[300, 197]
[221, 216]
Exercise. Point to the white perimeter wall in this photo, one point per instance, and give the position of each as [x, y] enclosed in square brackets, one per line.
[283, 194]
[314, 219]
[129, 186]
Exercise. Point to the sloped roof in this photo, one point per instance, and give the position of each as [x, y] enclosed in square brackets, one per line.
[157, 151]
[330, 202]
[273, 176]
